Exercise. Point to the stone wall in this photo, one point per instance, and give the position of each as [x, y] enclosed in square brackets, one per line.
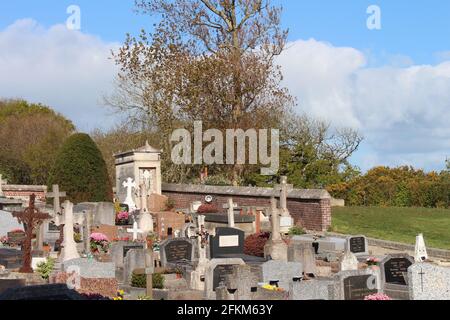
[23, 192]
[310, 208]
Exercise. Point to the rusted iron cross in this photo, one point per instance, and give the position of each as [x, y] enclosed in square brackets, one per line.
[31, 218]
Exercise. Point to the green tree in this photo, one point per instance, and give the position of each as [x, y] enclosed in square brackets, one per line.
[81, 171]
[30, 136]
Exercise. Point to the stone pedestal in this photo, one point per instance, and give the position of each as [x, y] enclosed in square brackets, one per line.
[276, 249]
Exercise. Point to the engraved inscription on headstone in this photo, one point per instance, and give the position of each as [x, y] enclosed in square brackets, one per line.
[358, 287]
[395, 269]
[357, 244]
[178, 250]
[130, 247]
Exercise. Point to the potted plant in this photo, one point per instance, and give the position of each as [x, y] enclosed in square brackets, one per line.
[122, 218]
[151, 239]
[99, 244]
[46, 247]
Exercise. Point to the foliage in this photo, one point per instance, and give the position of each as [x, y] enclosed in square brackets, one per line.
[144, 298]
[396, 187]
[140, 280]
[30, 136]
[296, 231]
[170, 204]
[213, 61]
[254, 244]
[207, 208]
[46, 268]
[77, 237]
[395, 224]
[81, 171]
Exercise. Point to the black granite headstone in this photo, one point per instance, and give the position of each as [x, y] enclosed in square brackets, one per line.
[227, 242]
[394, 270]
[357, 244]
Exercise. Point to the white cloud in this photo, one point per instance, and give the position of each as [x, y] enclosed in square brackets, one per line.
[402, 111]
[65, 69]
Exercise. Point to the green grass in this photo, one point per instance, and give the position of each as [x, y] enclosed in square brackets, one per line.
[395, 224]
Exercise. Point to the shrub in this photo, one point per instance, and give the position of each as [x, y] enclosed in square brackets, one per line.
[254, 244]
[45, 268]
[140, 280]
[296, 231]
[207, 208]
[81, 171]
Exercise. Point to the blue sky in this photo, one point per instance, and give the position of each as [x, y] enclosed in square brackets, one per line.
[391, 84]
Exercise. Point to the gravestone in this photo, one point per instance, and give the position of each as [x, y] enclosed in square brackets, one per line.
[303, 253]
[283, 272]
[227, 243]
[103, 213]
[135, 259]
[16, 238]
[348, 261]
[428, 282]
[326, 244]
[394, 271]
[175, 251]
[356, 285]
[311, 290]
[90, 269]
[42, 292]
[216, 270]
[120, 249]
[394, 268]
[11, 258]
[420, 250]
[8, 223]
[6, 284]
[241, 282]
[358, 245]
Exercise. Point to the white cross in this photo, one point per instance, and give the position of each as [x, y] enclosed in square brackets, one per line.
[135, 231]
[55, 194]
[129, 185]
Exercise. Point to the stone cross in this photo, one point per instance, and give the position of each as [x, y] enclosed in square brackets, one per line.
[135, 231]
[275, 220]
[284, 190]
[31, 217]
[55, 194]
[230, 213]
[68, 247]
[1, 183]
[130, 185]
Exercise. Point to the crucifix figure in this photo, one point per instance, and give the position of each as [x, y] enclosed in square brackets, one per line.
[1, 183]
[31, 217]
[130, 185]
[135, 231]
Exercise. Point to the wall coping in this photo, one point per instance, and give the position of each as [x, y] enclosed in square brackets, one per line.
[15, 187]
[309, 194]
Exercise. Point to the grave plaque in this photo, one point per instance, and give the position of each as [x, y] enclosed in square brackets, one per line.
[395, 269]
[358, 287]
[130, 247]
[178, 250]
[220, 273]
[357, 244]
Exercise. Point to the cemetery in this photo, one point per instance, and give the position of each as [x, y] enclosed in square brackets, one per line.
[159, 241]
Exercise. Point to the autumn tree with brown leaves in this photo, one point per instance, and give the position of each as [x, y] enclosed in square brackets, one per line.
[206, 60]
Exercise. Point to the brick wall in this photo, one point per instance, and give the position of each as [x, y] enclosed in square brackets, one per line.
[312, 214]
